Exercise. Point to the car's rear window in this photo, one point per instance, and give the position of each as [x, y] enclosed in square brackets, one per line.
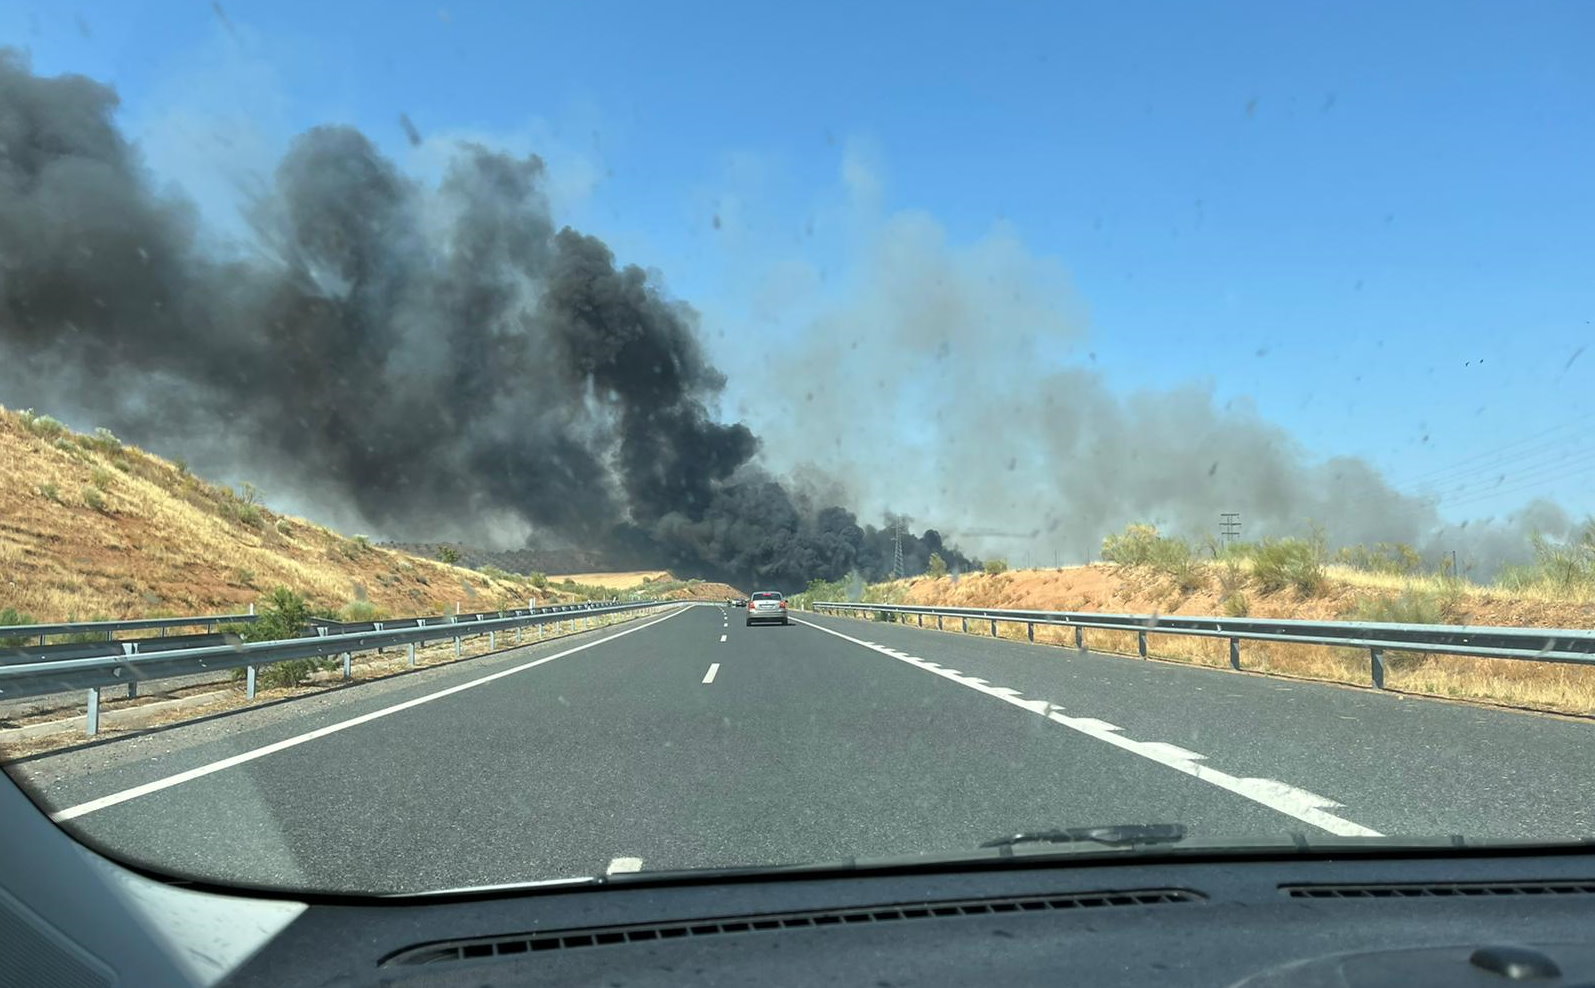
[766, 596]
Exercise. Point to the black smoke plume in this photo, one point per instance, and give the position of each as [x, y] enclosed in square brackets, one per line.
[439, 361]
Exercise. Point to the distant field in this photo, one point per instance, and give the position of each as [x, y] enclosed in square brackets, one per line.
[613, 581]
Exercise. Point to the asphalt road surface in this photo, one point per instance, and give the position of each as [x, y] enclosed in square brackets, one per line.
[690, 740]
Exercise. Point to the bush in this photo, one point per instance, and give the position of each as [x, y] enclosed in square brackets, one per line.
[450, 555]
[284, 528]
[1562, 568]
[1236, 604]
[50, 493]
[1412, 606]
[41, 425]
[494, 573]
[105, 440]
[540, 580]
[363, 541]
[1383, 557]
[92, 498]
[361, 610]
[995, 566]
[10, 616]
[244, 576]
[936, 566]
[1141, 545]
[100, 478]
[283, 614]
[1280, 564]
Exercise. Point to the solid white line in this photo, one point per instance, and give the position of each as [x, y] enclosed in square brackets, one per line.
[114, 798]
[622, 866]
[1305, 806]
[722, 637]
[714, 667]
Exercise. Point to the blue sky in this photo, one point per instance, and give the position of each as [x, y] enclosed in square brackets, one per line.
[1372, 220]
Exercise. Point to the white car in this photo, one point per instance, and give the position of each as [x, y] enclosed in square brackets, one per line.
[768, 606]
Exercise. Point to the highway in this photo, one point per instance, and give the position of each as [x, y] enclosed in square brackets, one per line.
[690, 740]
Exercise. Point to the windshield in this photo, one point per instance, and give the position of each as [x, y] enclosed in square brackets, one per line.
[460, 445]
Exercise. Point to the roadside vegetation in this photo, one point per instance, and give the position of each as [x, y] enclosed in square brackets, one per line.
[1144, 571]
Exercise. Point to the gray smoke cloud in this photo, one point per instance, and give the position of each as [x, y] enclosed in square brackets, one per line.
[436, 361]
[951, 381]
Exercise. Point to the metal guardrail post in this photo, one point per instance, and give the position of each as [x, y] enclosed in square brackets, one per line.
[91, 720]
[1030, 630]
[1234, 653]
[249, 682]
[1140, 643]
[130, 649]
[1079, 639]
[921, 619]
[412, 655]
[994, 627]
[938, 622]
[348, 665]
[378, 626]
[492, 641]
[457, 646]
[966, 626]
[1376, 666]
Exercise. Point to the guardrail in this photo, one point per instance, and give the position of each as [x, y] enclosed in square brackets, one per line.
[111, 628]
[125, 664]
[1533, 644]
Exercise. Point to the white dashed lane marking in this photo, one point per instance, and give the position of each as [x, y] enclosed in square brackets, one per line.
[1305, 806]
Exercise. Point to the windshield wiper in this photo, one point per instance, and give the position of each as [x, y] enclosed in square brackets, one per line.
[1123, 835]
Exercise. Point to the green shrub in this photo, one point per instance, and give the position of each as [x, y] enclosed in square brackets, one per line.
[244, 576]
[450, 555]
[363, 541]
[995, 566]
[1382, 557]
[539, 580]
[1281, 564]
[283, 614]
[284, 528]
[105, 440]
[100, 478]
[79, 637]
[494, 573]
[361, 610]
[41, 425]
[50, 493]
[92, 498]
[1563, 568]
[936, 566]
[1236, 604]
[12, 616]
[1141, 545]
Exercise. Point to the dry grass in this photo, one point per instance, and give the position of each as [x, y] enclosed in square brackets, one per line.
[165, 542]
[1111, 589]
[614, 581]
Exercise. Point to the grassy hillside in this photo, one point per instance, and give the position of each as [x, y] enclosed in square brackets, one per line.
[92, 527]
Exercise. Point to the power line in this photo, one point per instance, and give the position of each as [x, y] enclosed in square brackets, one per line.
[1463, 464]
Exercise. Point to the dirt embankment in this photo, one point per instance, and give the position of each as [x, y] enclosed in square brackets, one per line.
[91, 527]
